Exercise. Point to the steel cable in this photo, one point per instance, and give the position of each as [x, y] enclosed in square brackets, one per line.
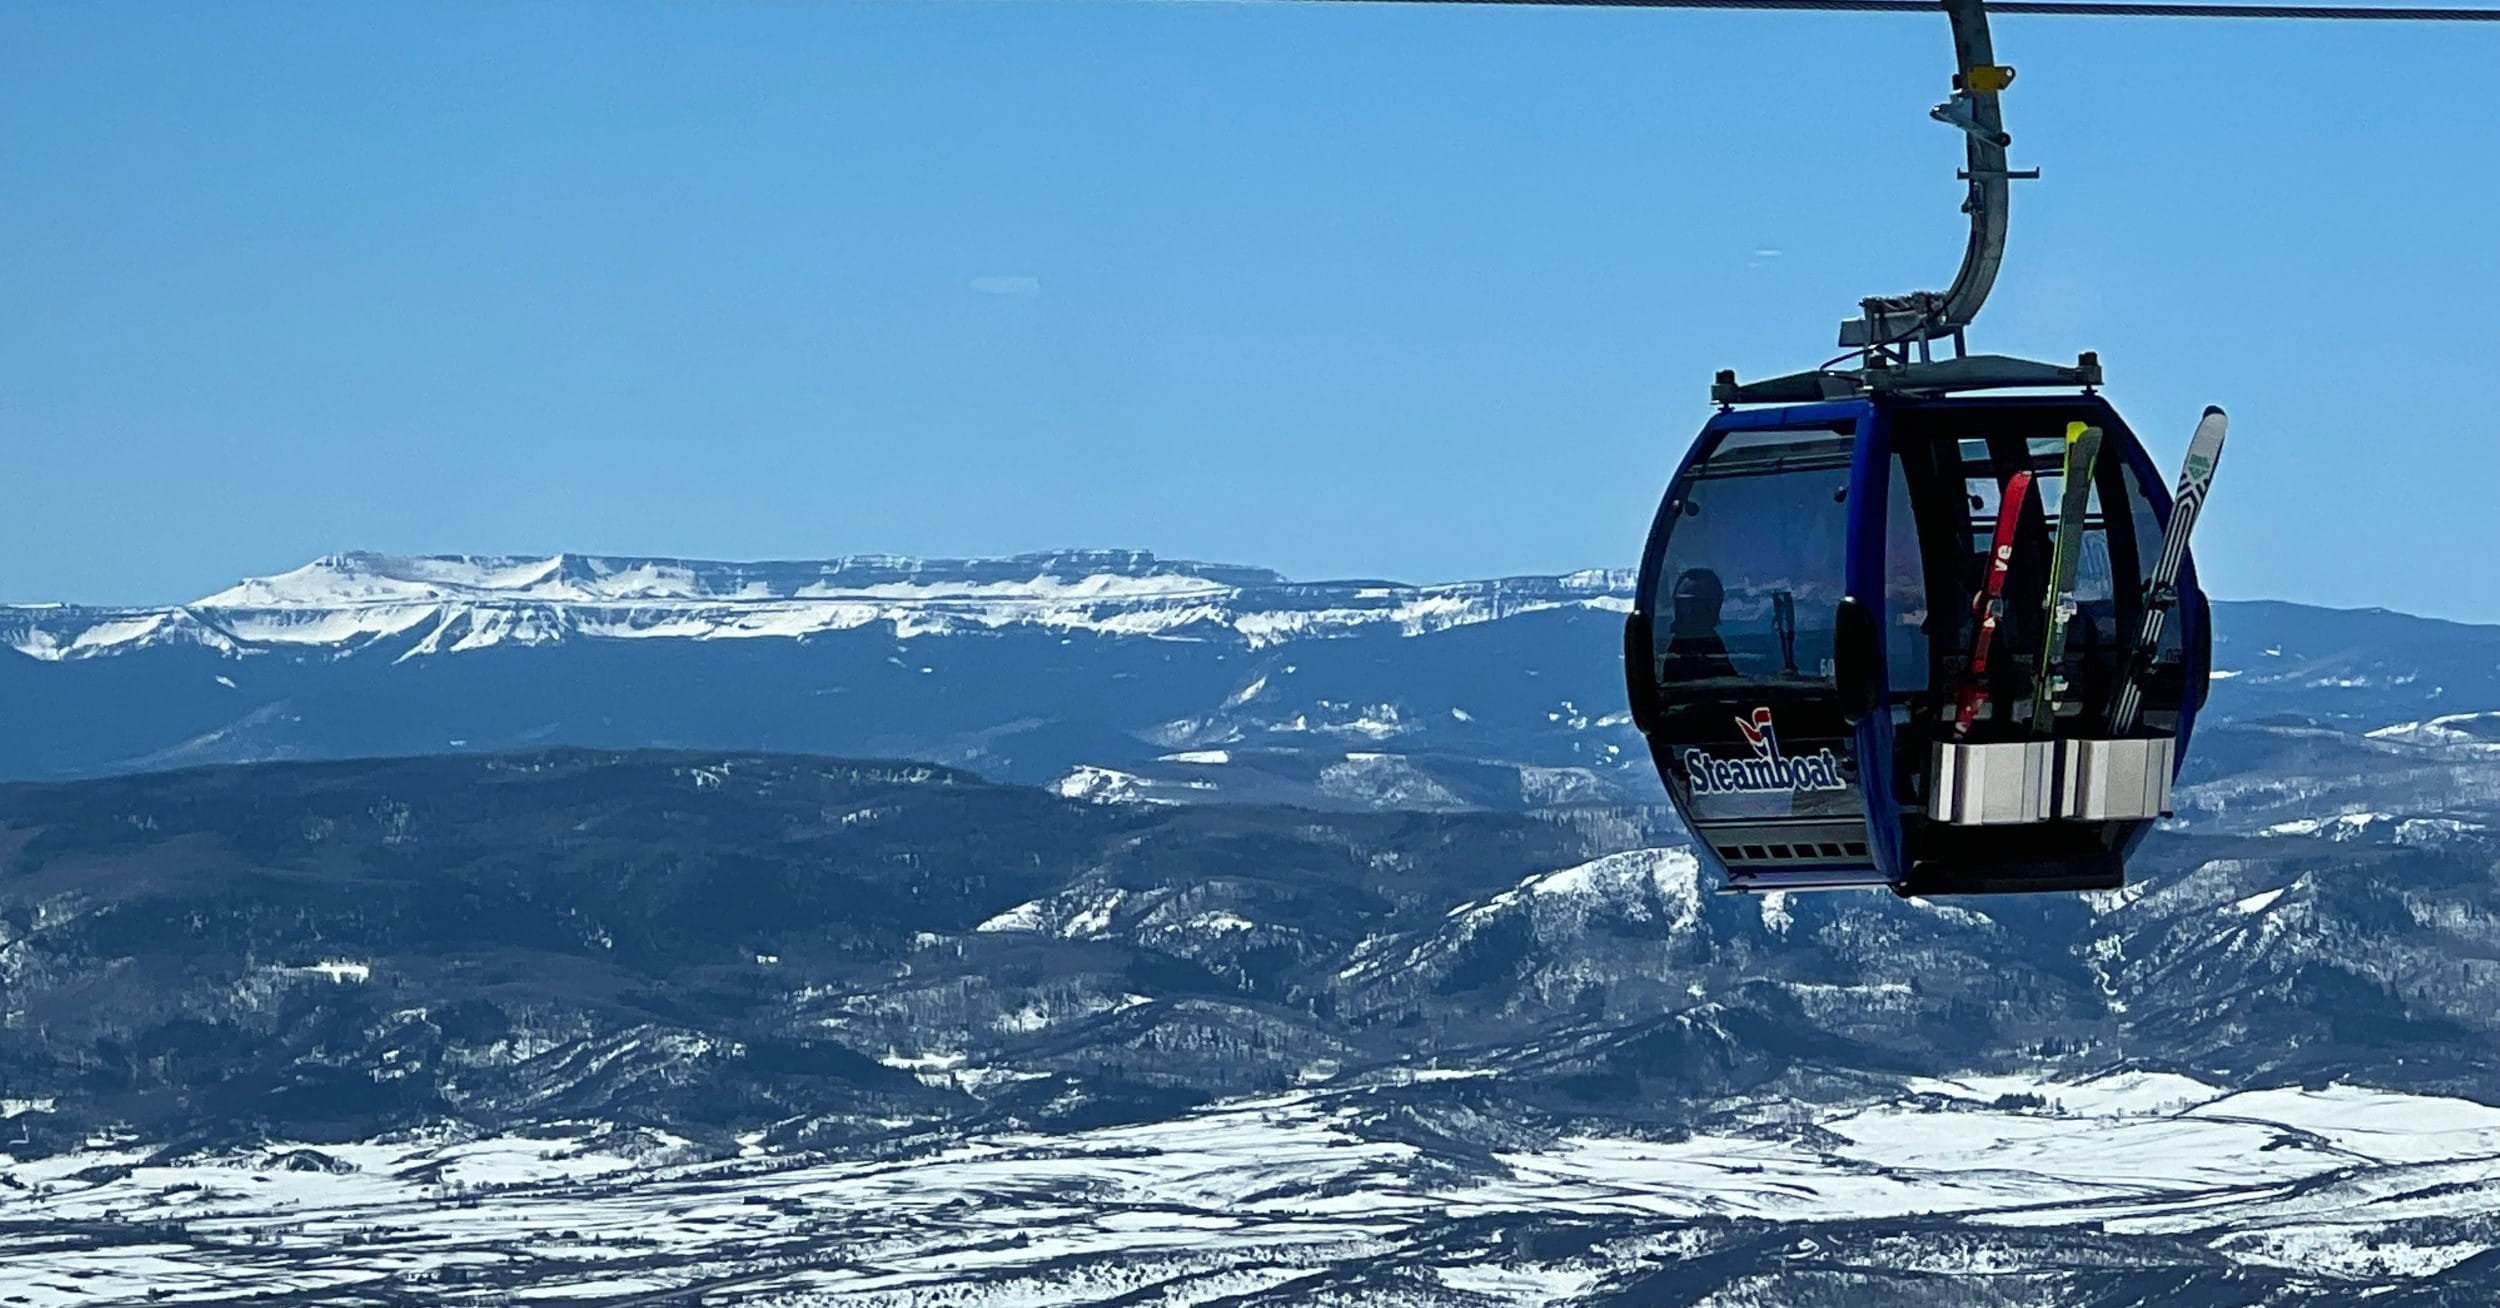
[2057, 8]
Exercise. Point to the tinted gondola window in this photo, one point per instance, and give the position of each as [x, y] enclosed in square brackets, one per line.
[1908, 618]
[1752, 574]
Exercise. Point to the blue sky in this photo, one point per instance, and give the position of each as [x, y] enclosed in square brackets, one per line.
[1414, 292]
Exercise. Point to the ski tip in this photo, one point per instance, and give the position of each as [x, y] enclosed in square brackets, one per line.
[2215, 411]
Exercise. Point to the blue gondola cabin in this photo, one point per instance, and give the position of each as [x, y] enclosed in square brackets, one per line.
[1802, 643]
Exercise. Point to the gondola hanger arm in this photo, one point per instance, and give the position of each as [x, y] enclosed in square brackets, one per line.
[1978, 79]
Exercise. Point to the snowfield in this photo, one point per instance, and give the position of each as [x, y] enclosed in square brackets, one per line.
[2342, 1183]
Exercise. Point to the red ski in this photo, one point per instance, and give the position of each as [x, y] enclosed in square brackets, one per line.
[1988, 607]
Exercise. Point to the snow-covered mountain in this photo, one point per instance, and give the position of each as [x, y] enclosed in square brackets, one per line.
[1113, 675]
[1461, 1026]
[1346, 693]
[425, 605]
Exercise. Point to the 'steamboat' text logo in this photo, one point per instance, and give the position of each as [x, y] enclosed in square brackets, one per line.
[1768, 771]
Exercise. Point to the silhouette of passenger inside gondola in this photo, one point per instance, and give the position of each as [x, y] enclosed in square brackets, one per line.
[1695, 650]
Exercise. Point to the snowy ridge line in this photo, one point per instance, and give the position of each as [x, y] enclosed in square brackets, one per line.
[451, 604]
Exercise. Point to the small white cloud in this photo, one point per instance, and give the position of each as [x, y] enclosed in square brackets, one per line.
[1766, 254]
[1007, 285]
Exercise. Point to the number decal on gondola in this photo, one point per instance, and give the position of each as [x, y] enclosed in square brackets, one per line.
[1769, 771]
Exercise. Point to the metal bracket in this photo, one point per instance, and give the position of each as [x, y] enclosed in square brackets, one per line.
[1960, 112]
[1971, 372]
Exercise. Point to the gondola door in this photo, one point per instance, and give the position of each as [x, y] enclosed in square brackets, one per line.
[1732, 651]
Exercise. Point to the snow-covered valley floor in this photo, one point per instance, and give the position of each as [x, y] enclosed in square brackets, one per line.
[1306, 1195]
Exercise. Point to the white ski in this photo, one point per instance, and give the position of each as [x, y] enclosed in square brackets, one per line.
[2161, 589]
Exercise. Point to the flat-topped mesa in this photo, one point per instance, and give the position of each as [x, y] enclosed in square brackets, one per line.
[363, 577]
[419, 605]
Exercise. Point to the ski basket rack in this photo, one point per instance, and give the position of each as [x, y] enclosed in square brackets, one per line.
[2083, 780]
